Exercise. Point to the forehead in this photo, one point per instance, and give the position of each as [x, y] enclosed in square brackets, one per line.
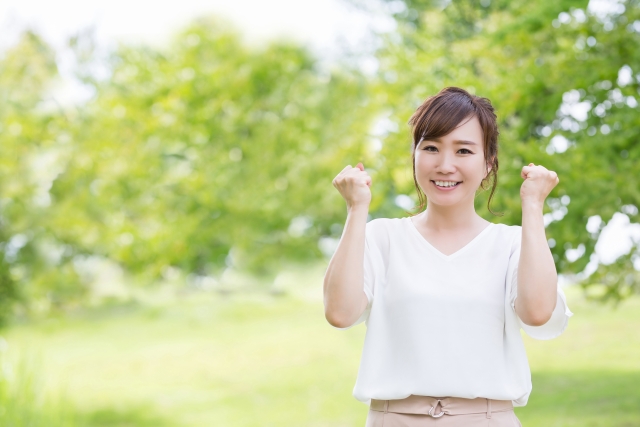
[468, 132]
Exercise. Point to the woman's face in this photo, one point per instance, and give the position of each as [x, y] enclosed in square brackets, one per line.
[457, 157]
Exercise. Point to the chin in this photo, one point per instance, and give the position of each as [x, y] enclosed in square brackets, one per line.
[433, 201]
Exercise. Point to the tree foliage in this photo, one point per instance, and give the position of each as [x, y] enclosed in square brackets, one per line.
[207, 155]
[27, 71]
[565, 84]
[201, 156]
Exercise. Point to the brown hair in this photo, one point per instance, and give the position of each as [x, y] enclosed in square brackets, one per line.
[440, 114]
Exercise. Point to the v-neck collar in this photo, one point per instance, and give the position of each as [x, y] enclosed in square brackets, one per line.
[417, 233]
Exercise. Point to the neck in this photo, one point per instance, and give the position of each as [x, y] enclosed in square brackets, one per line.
[448, 218]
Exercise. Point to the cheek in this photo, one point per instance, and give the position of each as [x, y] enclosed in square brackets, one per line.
[423, 163]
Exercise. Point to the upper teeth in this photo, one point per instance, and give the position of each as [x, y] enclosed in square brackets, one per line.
[446, 183]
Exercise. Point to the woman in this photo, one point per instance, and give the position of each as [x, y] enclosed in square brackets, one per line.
[444, 293]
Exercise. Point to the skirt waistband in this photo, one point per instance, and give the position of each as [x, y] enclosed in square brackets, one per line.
[438, 406]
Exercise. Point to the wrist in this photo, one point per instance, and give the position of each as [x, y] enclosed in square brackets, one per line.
[532, 205]
[358, 208]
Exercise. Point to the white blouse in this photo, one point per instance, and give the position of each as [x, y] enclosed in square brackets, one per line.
[445, 325]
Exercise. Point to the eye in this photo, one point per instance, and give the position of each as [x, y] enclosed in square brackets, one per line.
[432, 146]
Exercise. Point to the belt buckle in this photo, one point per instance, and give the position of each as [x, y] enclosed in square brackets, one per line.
[433, 408]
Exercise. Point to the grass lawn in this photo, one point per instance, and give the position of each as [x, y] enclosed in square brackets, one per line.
[272, 360]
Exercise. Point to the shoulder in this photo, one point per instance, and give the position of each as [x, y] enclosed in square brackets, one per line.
[384, 225]
[383, 222]
[508, 230]
[510, 235]
[381, 230]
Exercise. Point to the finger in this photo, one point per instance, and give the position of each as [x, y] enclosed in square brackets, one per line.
[360, 166]
[346, 168]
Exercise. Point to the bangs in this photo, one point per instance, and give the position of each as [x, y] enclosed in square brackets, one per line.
[441, 116]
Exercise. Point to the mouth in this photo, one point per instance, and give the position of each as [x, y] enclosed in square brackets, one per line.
[448, 187]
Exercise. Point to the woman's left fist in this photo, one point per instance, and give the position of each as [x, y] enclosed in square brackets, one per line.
[538, 183]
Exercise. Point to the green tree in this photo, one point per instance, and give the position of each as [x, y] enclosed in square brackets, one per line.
[29, 130]
[202, 155]
[562, 81]
[208, 153]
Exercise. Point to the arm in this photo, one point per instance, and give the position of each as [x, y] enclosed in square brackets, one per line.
[344, 297]
[537, 276]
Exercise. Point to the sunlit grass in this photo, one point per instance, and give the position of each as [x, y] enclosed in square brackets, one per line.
[263, 360]
[23, 402]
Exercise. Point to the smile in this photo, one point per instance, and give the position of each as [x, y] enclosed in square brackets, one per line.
[446, 185]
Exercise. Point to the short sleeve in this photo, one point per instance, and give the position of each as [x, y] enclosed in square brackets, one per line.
[561, 314]
[372, 271]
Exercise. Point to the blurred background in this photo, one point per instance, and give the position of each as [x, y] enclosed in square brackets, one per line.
[167, 212]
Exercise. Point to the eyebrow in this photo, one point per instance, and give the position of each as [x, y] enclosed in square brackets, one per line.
[457, 141]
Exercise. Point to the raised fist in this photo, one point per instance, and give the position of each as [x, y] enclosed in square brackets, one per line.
[354, 185]
[538, 183]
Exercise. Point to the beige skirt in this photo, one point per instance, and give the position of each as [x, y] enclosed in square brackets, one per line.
[423, 411]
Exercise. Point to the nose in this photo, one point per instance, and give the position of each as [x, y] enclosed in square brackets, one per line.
[446, 163]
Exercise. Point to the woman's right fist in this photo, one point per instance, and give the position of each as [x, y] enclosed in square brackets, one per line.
[353, 184]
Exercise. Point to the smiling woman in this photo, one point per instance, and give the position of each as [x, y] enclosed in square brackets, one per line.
[444, 293]
[458, 118]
